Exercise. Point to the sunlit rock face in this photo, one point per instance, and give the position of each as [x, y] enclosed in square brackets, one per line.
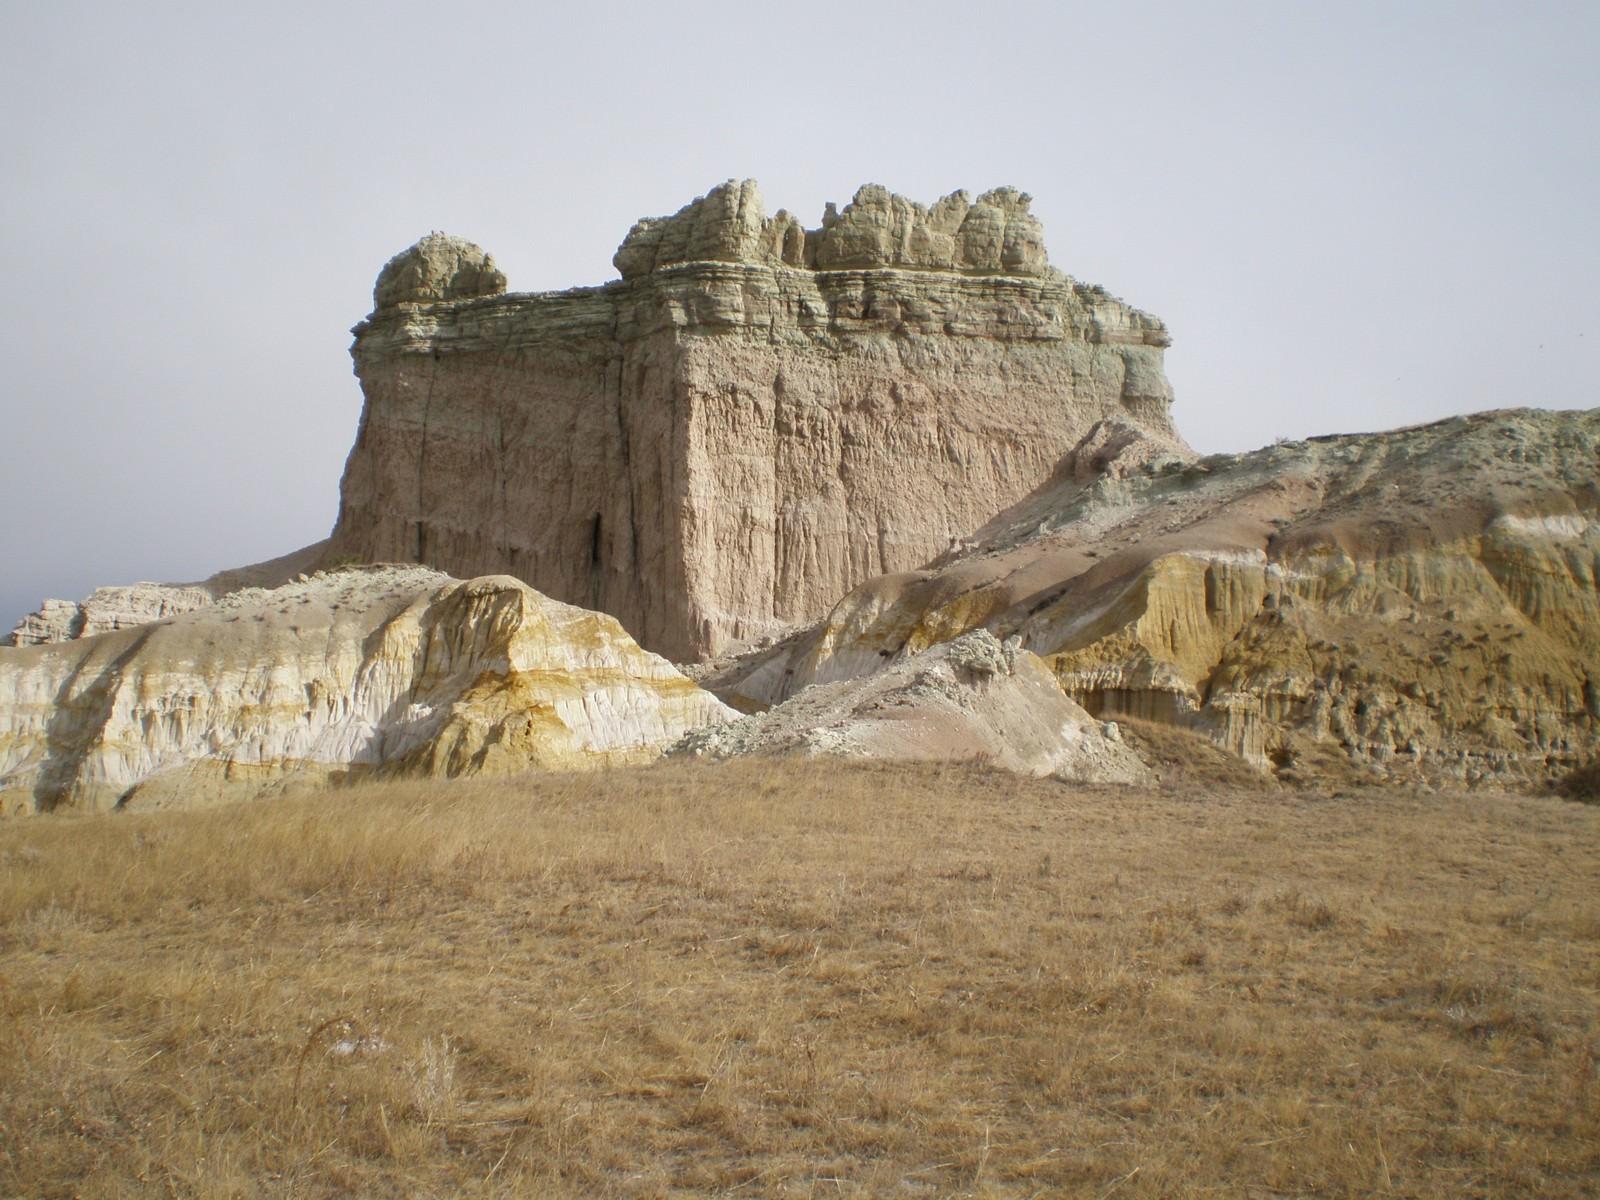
[1423, 599]
[996, 235]
[755, 419]
[346, 674]
[873, 457]
[439, 267]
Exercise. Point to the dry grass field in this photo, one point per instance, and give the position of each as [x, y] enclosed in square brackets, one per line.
[805, 979]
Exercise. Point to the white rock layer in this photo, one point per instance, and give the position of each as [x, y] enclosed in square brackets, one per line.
[106, 609]
[348, 673]
[972, 699]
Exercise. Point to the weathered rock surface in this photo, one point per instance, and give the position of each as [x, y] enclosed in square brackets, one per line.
[1426, 599]
[755, 419]
[996, 235]
[106, 609]
[348, 673]
[971, 699]
[768, 432]
[439, 267]
[137, 604]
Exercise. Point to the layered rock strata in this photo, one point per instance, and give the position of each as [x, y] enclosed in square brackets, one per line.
[105, 609]
[1424, 599]
[753, 420]
[764, 431]
[340, 675]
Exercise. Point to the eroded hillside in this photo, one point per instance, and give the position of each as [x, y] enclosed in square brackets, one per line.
[1423, 598]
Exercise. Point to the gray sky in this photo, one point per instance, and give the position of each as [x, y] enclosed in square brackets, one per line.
[1351, 216]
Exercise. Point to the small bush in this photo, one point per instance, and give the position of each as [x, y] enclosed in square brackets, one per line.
[1581, 784]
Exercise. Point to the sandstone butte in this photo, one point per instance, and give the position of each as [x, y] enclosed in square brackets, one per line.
[894, 486]
[754, 419]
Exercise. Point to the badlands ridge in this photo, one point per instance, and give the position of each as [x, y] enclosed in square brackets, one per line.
[894, 487]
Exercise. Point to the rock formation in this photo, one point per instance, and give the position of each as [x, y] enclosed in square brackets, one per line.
[106, 609]
[1424, 599]
[439, 267]
[110, 608]
[755, 419]
[345, 674]
[997, 235]
[893, 487]
[971, 699]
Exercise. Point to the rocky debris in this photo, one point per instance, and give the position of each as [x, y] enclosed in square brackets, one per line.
[719, 446]
[971, 699]
[439, 267]
[339, 675]
[1111, 450]
[996, 235]
[1425, 600]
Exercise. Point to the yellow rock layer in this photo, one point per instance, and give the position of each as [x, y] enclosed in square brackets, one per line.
[345, 674]
[1425, 599]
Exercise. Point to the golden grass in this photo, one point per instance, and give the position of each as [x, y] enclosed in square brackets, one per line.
[803, 979]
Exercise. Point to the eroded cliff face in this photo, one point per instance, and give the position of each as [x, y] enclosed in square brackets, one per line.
[754, 420]
[1426, 600]
[344, 674]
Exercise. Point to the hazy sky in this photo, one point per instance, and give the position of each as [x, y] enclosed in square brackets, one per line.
[1351, 216]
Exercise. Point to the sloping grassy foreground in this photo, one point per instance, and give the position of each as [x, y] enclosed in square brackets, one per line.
[804, 979]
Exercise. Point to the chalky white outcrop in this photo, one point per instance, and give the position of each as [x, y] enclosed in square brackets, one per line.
[339, 675]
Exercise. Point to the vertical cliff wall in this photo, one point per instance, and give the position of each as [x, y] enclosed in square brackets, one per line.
[754, 419]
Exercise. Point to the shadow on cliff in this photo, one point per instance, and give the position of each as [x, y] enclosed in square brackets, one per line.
[395, 729]
[76, 725]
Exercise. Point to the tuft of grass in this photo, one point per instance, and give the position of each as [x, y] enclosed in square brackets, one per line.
[1188, 762]
[803, 979]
